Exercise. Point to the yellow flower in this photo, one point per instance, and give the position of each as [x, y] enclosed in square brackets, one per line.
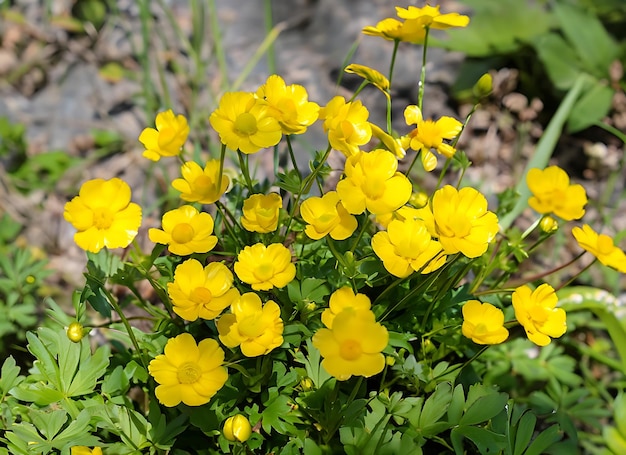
[326, 215]
[430, 134]
[483, 323]
[185, 231]
[346, 124]
[601, 246]
[237, 428]
[245, 123]
[260, 212]
[200, 185]
[552, 193]
[255, 327]
[411, 31]
[372, 182]
[167, 139]
[406, 247]
[392, 144]
[83, 450]
[353, 346]
[289, 104]
[459, 219]
[429, 16]
[188, 372]
[103, 215]
[372, 76]
[265, 267]
[341, 299]
[536, 311]
[201, 292]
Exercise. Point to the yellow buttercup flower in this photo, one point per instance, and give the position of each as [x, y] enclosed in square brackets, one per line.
[552, 193]
[84, 450]
[483, 323]
[429, 16]
[289, 104]
[237, 428]
[261, 211]
[601, 246]
[264, 268]
[430, 134]
[342, 299]
[326, 215]
[201, 292]
[411, 31]
[346, 124]
[406, 247]
[168, 138]
[103, 215]
[185, 231]
[256, 328]
[459, 219]
[353, 346]
[536, 311]
[245, 123]
[201, 185]
[188, 372]
[372, 182]
[371, 75]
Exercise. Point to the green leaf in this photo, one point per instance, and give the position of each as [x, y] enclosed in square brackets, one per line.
[544, 440]
[457, 403]
[486, 441]
[559, 59]
[45, 363]
[525, 430]
[591, 107]
[9, 376]
[279, 415]
[90, 371]
[484, 408]
[435, 406]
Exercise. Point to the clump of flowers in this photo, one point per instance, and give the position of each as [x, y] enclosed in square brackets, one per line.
[350, 308]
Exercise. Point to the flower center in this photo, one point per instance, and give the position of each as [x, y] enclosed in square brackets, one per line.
[102, 218]
[460, 224]
[251, 327]
[264, 271]
[182, 233]
[201, 296]
[605, 244]
[374, 188]
[188, 373]
[246, 124]
[428, 134]
[538, 314]
[350, 350]
[203, 184]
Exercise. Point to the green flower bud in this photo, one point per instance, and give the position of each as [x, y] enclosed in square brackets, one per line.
[483, 87]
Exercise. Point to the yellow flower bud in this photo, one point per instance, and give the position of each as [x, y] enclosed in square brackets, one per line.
[75, 332]
[237, 428]
[548, 224]
[483, 87]
[306, 384]
[419, 200]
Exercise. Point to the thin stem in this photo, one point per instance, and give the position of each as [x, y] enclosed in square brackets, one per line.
[420, 96]
[584, 269]
[360, 236]
[218, 46]
[293, 157]
[541, 275]
[269, 25]
[243, 163]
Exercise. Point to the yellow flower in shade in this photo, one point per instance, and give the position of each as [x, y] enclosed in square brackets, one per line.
[346, 124]
[326, 215]
[260, 212]
[430, 134]
[406, 247]
[429, 16]
[353, 346]
[601, 246]
[188, 372]
[392, 144]
[289, 104]
[265, 267]
[201, 292]
[552, 193]
[103, 215]
[185, 231]
[167, 139]
[372, 76]
[536, 311]
[256, 328]
[411, 31]
[459, 219]
[83, 450]
[237, 428]
[372, 182]
[200, 185]
[245, 123]
[483, 323]
[342, 299]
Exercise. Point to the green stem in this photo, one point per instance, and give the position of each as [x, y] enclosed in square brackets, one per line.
[392, 65]
[360, 236]
[243, 163]
[293, 157]
[583, 270]
[218, 48]
[269, 24]
[420, 96]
